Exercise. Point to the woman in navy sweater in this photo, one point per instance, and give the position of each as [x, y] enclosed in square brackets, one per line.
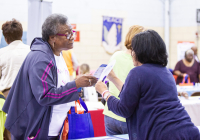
[148, 98]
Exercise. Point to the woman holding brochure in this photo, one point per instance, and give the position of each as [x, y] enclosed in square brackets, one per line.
[114, 124]
[148, 98]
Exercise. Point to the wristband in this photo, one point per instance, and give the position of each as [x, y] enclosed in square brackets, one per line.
[104, 92]
[106, 95]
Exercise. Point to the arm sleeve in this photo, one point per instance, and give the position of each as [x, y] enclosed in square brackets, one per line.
[113, 57]
[0, 69]
[199, 69]
[177, 67]
[112, 88]
[43, 85]
[0, 72]
[129, 97]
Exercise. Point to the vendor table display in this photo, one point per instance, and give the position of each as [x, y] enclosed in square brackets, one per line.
[192, 106]
[189, 89]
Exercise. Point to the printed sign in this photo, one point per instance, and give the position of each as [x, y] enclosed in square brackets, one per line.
[112, 34]
[73, 26]
[77, 38]
[182, 47]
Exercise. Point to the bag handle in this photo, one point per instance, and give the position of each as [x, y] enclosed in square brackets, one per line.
[186, 77]
[83, 105]
[73, 110]
[188, 80]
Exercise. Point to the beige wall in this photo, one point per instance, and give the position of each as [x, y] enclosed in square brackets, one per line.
[89, 50]
[87, 14]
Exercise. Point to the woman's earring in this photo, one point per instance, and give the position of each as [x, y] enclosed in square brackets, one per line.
[53, 45]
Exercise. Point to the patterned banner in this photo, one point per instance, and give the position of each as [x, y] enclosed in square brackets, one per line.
[112, 34]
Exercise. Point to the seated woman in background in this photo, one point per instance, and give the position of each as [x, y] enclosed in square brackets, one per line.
[148, 98]
[188, 66]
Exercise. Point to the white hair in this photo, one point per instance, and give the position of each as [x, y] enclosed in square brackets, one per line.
[190, 51]
[51, 25]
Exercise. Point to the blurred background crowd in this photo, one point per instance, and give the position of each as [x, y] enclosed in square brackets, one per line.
[104, 30]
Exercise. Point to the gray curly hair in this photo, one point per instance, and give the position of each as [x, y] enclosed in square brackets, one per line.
[190, 51]
[51, 25]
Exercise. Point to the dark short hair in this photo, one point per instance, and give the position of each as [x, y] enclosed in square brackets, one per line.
[149, 48]
[12, 30]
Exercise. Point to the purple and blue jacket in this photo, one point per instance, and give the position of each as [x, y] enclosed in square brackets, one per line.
[34, 92]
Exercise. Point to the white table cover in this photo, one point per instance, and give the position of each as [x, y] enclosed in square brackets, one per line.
[192, 106]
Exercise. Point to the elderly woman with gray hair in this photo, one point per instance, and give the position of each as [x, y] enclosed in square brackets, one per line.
[188, 66]
[42, 93]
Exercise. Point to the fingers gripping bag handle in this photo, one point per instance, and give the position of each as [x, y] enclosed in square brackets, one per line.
[188, 81]
[183, 81]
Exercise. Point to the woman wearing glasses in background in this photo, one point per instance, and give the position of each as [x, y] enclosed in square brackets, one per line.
[42, 93]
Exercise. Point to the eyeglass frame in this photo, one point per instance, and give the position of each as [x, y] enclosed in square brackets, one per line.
[68, 36]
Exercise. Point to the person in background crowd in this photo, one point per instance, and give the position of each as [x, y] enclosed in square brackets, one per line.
[115, 124]
[184, 94]
[188, 66]
[2, 116]
[195, 53]
[11, 57]
[148, 98]
[89, 93]
[84, 69]
[40, 97]
[71, 62]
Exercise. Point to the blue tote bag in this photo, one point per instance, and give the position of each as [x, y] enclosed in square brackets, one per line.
[80, 125]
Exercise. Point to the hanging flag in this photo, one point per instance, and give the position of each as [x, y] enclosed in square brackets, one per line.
[112, 34]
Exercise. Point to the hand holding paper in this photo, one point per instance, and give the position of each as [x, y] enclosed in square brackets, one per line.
[103, 71]
[112, 76]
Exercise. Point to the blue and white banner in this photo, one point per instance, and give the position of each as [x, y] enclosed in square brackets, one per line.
[112, 34]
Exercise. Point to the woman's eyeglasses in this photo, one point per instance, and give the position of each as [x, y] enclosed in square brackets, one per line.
[69, 35]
